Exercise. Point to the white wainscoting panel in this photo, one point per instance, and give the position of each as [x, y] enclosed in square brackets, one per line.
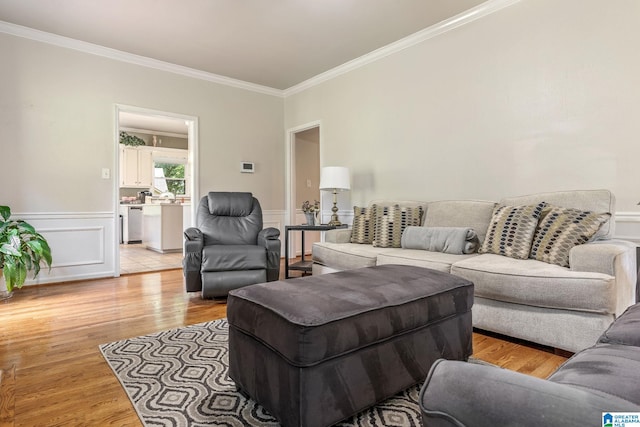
[275, 219]
[81, 244]
[628, 226]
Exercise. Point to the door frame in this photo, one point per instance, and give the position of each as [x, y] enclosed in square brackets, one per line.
[192, 160]
[290, 169]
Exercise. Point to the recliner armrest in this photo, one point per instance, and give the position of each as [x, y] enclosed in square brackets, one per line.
[465, 394]
[269, 238]
[193, 234]
[193, 244]
[269, 233]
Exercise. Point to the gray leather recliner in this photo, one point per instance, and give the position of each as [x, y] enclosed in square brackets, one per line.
[228, 248]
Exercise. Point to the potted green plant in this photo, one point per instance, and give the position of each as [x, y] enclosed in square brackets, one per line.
[22, 249]
[310, 211]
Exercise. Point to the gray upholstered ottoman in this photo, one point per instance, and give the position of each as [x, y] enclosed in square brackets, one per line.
[316, 350]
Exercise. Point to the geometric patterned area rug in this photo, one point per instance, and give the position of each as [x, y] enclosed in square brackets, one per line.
[179, 378]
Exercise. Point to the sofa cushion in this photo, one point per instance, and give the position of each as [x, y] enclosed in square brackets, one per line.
[586, 200]
[390, 222]
[537, 283]
[611, 369]
[363, 225]
[345, 256]
[475, 214]
[625, 330]
[511, 230]
[435, 260]
[560, 229]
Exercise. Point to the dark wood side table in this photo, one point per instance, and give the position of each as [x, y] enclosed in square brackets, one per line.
[302, 265]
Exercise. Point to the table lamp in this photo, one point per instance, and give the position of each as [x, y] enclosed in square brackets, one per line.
[334, 178]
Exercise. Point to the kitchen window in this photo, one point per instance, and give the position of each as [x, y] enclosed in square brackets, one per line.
[169, 177]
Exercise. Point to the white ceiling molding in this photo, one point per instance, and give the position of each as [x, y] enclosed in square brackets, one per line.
[94, 49]
[470, 15]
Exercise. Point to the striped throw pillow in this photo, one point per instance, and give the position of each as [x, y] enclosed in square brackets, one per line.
[390, 222]
[560, 229]
[511, 230]
[363, 225]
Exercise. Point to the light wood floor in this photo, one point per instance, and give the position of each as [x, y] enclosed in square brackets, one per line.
[53, 374]
[136, 258]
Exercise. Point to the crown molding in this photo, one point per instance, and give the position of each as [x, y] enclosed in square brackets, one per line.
[449, 24]
[118, 55]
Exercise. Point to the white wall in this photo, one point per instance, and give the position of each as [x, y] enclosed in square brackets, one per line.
[542, 95]
[57, 121]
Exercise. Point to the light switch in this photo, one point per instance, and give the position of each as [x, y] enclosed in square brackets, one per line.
[308, 183]
[106, 173]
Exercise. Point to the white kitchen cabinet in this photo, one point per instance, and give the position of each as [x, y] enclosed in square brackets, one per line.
[163, 230]
[136, 167]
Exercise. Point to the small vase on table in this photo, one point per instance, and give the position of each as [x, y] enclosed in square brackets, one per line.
[310, 218]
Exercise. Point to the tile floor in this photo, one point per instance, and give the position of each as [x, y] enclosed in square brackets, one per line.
[135, 258]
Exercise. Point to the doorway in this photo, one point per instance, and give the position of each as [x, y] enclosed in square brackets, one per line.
[303, 153]
[154, 184]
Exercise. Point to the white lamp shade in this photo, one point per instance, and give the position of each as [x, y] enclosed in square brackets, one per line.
[334, 178]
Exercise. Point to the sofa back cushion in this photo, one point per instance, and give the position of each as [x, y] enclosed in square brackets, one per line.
[598, 201]
[475, 214]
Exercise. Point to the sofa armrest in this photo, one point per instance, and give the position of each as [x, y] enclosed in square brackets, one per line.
[269, 238]
[601, 256]
[193, 244]
[339, 235]
[464, 394]
[616, 258]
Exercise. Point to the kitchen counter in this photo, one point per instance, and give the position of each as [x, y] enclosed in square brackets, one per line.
[163, 230]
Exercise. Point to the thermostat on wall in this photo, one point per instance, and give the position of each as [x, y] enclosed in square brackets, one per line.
[247, 167]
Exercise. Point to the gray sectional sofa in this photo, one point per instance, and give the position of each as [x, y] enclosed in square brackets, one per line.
[587, 390]
[563, 307]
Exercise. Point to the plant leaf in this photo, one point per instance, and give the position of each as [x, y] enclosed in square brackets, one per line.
[9, 274]
[25, 226]
[9, 249]
[21, 275]
[5, 212]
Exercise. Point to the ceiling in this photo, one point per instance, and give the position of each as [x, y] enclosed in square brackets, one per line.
[277, 44]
